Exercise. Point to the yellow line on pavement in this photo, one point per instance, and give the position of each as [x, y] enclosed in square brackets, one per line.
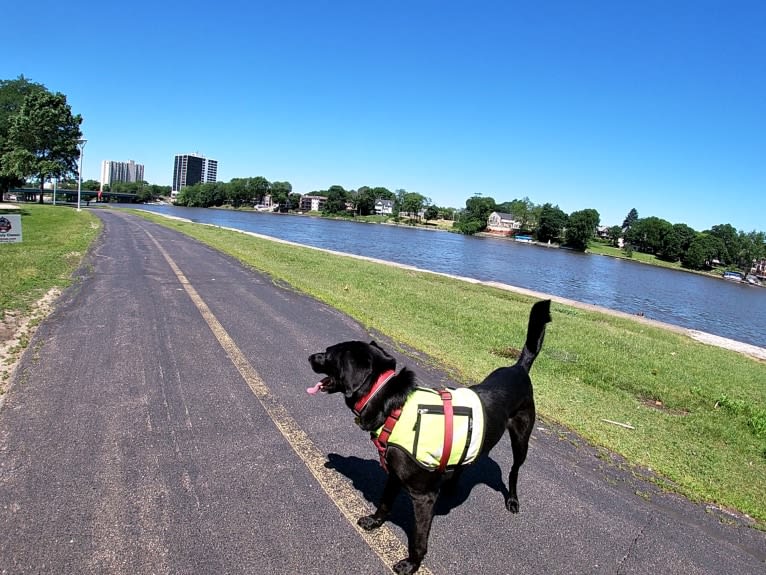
[382, 540]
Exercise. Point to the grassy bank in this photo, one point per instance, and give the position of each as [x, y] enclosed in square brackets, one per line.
[698, 412]
[54, 241]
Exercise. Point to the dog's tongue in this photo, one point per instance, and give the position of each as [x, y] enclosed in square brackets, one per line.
[313, 390]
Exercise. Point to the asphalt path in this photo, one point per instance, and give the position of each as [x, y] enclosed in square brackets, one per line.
[158, 423]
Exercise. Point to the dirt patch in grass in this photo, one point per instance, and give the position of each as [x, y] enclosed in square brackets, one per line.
[659, 406]
[16, 328]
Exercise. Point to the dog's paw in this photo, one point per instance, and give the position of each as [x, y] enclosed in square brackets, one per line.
[369, 522]
[512, 504]
[406, 567]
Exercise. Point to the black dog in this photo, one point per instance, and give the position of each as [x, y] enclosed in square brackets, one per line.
[354, 368]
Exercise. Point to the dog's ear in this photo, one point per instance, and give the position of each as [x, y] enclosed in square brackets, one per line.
[355, 370]
[382, 355]
[360, 364]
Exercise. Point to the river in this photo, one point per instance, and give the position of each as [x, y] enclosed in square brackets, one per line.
[728, 309]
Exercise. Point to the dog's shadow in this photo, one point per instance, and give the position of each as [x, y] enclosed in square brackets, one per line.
[368, 477]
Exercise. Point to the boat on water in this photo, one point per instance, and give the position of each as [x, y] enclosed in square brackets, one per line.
[753, 280]
[733, 276]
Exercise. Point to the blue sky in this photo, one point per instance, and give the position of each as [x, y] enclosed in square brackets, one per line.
[653, 105]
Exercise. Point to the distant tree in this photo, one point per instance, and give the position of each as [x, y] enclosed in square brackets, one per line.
[647, 234]
[448, 213]
[614, 235]
[42, 139]
[729, 242]
[752, 248]
[337, 197]
[413, 203]
[474, 217]
[701, 253]
[581, 228]
[675, 242]
[203, 195]
[261, 187]
[280, 192]
[12, 96]
[383, 194]
[551, 223]
[431, 213]
[293, 201]
[685, 235]
[364, 201]
[239, 191]
[670, 246]
[630, 219]
[522, 211]
[91, 185]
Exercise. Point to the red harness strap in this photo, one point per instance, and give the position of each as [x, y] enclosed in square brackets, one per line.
[381, 441]
[447, 449]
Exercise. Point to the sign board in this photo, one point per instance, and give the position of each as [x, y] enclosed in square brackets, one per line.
[10, 228]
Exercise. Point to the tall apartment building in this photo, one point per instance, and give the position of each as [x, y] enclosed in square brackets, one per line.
[121, 172]
[190, 169]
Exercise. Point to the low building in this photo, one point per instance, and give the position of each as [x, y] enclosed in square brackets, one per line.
[502, 224]
[312, 203]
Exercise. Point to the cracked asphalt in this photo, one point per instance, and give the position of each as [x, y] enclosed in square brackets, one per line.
[158, 423]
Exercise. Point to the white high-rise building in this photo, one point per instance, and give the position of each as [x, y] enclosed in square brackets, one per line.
[128, 171]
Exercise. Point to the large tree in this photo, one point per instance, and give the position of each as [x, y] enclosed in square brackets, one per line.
[581, 228]
[551, 223]
[413, 203]
[647, 234]
[337, 197]
[729, 241]
[702, 251]
[42, 139]
[12, 96]
[364, 201]
[752, 248]
[280, 192]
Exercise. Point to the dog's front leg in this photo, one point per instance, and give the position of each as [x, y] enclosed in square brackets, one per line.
[390, 491]
[423, 505]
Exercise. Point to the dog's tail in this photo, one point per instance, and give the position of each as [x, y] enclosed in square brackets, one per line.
[538, 317]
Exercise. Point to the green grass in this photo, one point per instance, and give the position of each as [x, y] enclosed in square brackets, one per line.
[699, 412]
[54, 242]
[604, 249]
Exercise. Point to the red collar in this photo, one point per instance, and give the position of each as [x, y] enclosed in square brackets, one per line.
[383, 379]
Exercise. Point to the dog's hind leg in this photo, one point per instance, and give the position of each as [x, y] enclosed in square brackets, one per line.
[390, 491]
[520, 429]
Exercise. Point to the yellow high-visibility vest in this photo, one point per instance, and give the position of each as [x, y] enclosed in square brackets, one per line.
[420, 428]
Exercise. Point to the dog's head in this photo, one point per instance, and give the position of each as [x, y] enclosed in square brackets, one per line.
[351, 367]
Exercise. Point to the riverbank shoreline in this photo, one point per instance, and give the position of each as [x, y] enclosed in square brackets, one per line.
[752, 351]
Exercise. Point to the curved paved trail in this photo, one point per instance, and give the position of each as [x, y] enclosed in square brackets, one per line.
[158, 424]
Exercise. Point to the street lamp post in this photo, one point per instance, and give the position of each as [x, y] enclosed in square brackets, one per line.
[81, 145]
